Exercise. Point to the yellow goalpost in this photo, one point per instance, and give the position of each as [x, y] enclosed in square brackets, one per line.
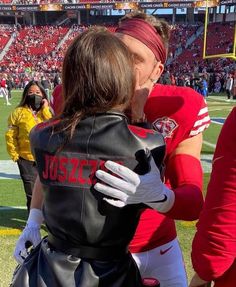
[226, 55]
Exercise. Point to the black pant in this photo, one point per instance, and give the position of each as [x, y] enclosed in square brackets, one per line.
[228, 94]
[28, 173]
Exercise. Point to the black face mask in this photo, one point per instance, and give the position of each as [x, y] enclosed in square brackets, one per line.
[34, 101]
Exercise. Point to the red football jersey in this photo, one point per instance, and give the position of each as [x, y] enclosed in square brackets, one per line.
[214, 245]
[178, 113]
[3, 83]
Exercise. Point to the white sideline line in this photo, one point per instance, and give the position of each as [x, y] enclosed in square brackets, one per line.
[209, 144]
[3, 208]
[205, 160]
[9, 170]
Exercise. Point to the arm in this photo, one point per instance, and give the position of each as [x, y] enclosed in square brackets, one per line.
[11, 137]
[45, 112]
[213, 248]
[184, 171]
[31, 232]
[37, 196]
[131, 188]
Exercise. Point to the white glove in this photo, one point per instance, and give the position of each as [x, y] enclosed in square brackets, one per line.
[30, 233]
[131, 188]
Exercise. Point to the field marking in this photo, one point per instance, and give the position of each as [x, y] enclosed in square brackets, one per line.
[10, 232]
[3, 208]
[209, 144]
[220, 99]
[218, 120]
[206, 161]
[9, 170]
[226, 108]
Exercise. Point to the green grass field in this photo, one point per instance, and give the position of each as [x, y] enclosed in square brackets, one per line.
[13, 220]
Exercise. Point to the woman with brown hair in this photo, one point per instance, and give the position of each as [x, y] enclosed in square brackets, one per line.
[87, 243]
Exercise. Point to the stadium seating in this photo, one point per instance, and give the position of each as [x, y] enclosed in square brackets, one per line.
[5, 34]
[42, 47]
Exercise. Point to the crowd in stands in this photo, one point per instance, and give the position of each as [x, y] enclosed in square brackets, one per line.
[179, 36]
[38, 51]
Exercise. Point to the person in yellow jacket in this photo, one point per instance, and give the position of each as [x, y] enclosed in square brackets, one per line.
[32, 109]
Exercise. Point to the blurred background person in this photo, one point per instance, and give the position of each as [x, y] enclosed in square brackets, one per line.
[3, 89]
[229, 86]
[10, 86]
[46, 85]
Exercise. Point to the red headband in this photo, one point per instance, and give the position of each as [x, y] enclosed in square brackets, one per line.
[145, 33]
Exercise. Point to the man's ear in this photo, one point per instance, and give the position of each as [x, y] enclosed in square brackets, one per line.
[157, 71]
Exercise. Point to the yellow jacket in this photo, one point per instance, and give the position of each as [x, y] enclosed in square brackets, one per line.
[20, 123]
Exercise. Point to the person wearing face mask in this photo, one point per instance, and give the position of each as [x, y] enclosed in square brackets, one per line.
[32, 109]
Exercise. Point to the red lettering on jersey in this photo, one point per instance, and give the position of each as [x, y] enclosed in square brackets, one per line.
[92, 177]
[141, 132]
[53, 167]
[63, 161]
[72, 170]
[82, 163]
[75, 163]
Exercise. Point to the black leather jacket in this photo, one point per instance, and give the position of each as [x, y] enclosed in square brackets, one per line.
[79, 221]
[73, 210]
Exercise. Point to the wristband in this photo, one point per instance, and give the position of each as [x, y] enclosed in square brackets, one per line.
[166, 204]
[35, 216]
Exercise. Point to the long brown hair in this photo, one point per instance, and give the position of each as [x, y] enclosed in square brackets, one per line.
[97, 76]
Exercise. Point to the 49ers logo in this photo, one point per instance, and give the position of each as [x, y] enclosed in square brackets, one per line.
[165, 126]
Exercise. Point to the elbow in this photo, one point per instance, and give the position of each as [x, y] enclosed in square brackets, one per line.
[188, 203]
[198, 205]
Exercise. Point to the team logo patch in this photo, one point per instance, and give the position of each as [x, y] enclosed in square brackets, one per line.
[165, 126]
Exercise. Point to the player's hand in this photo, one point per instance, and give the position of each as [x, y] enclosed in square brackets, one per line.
[131, 188]
[142, 91]
[196, 281]
[31, 233]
